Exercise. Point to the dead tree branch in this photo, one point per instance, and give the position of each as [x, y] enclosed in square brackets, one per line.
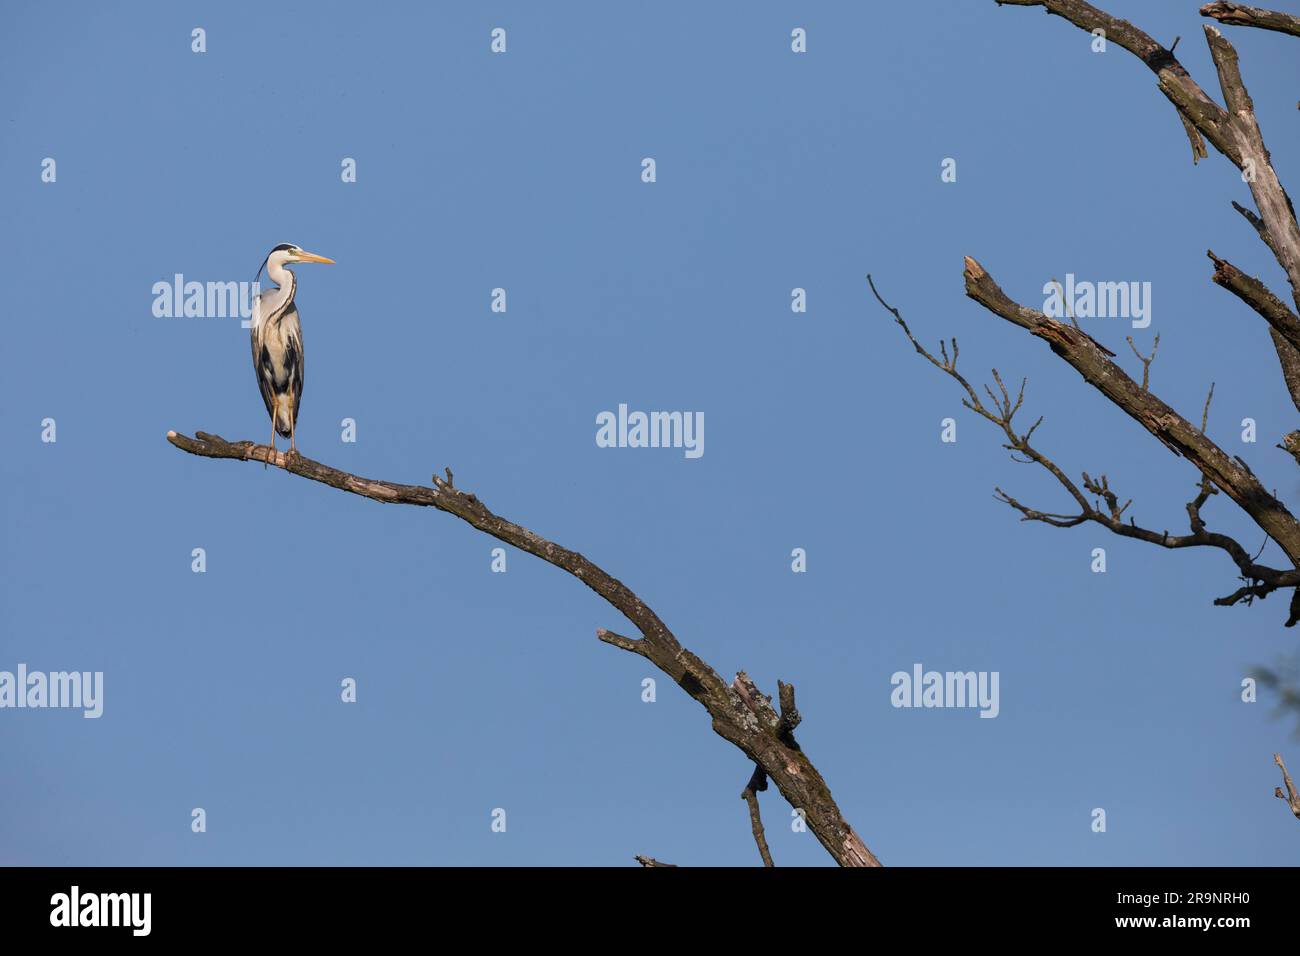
[1240, 15]
[1146, 360]
[1284, 325]
[1236, 134]
[739, 711]
[1200, 114]
[1234, 131]
[1255, 162]
[1291, 796]
[757, 783]
[1176, 432]
[1143, 406]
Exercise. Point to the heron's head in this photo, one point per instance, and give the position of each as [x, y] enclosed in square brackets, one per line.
[284, 254]
[287, 252]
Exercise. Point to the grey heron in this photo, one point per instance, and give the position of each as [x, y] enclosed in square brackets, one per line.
[277, 341]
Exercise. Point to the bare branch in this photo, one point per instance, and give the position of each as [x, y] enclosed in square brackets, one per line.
[1289, 359]
[1275, 209]
[1257, 295]
[757, 783]
[733, 720]
[1260, 580]
[1234, 132]
[790, 716]
[1240, 15]
[1284, 325]
[649, 861]
[1170, 428]
[636, 646]
[1146, 360]
[1194, 106]
[1291, 796]
[1199, 152]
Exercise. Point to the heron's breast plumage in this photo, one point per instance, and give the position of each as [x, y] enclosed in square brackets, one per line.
[281, 352]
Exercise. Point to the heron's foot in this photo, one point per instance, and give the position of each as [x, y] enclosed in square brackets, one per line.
[291, 455]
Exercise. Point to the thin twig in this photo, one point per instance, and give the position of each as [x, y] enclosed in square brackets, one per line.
[1145, 360]
[1291, 796]
[757, 783]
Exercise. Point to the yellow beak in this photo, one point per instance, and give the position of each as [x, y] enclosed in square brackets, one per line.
[305, 256]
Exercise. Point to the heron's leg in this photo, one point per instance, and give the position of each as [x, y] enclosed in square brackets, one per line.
[293, 433]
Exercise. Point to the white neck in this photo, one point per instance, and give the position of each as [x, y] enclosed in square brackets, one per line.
[272, 302]
[278, 274]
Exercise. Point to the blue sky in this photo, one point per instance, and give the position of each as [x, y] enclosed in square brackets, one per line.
[522, 171]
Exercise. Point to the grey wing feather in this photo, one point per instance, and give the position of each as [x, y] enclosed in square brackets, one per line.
[295, 343]
[261, 368]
